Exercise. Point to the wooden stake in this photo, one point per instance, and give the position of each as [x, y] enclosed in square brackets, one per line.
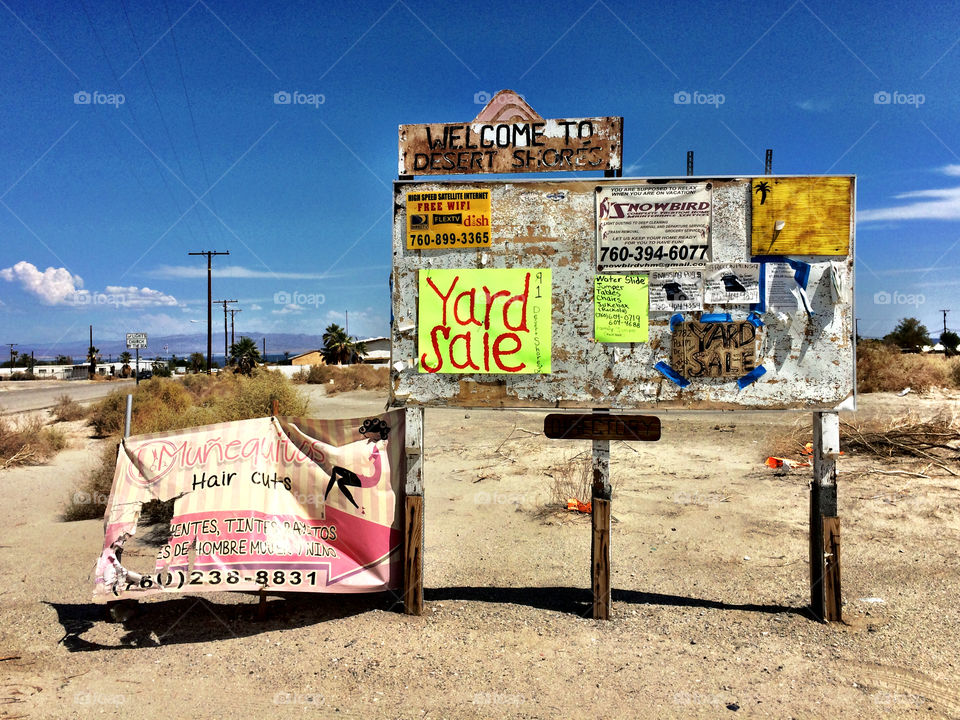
[825, 599]
[413, 513]
[831, 571]
[262, 606]
[413, 556]
[600, 520]
[275, 407]
[600, 553]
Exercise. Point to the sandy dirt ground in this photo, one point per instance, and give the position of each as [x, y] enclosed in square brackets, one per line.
[709, 556]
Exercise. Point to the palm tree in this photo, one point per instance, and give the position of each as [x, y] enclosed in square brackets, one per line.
[339, 348]
[245, 353]
[93, 354]
[125, 358]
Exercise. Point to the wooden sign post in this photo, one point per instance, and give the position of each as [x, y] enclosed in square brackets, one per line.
[601, 427]
[825, 598]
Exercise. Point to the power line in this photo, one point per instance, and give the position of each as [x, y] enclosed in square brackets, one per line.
[209, 254]
[160, 171]
[163, 121]
[193, 122]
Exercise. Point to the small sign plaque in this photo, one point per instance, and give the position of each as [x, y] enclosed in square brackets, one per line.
[601, 426]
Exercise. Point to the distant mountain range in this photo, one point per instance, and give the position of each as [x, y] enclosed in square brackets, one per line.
[181, 345]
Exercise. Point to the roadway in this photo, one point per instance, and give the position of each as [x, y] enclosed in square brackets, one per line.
[28, 395]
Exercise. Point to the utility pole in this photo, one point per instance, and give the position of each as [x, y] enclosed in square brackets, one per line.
[224, 303]
[944, 319]
[209, 254]
[93, 356]
[264, 342]
[13, 354]
[233, 311]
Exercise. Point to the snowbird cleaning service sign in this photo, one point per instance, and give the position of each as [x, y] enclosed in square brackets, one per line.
[290, 504]
[484, 321]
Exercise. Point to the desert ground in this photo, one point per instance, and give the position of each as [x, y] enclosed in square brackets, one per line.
[709, 556]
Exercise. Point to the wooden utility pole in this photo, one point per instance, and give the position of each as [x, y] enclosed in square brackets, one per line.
[226, 354]
[209, 254]
[233, 311]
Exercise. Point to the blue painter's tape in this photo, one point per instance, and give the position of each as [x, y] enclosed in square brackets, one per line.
[751, 376]
[761, 307]
[671, 374]
[675, 320]
[716, 317]
[754, 319]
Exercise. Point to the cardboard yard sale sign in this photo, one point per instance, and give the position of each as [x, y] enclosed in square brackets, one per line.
[288, 504]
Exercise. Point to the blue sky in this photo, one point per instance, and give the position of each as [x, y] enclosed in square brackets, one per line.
[182, 148]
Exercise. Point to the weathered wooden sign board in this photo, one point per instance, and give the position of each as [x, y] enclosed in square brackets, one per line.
[508, 136]
[794, 348]
[601, 426]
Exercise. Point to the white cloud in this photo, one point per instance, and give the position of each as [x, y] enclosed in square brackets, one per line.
[812, 105]
[58, 286]
[291, 309]
[953, 170]
[54, 286]
[233, 271]
[141, 297]
[256, 307]
[934, 204]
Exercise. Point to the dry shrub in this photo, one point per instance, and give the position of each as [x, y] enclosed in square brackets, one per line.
[347, 378]
[67, 409]
[162, 404]
[107, 416]
[883, 368]
[936, 439]
[89, 501]
[570, 478]
[27, 442]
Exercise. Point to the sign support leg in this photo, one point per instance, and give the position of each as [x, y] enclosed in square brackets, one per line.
[600, 517]
[413, 514]
[825, 598]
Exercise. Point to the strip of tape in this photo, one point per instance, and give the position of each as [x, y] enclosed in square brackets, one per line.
[751, 377]
[675, 320]
[716, 317]
[671, 374]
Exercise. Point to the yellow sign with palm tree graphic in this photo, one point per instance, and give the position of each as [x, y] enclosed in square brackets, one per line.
[801, 215]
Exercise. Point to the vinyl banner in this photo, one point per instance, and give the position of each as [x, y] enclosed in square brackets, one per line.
[285, 504]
